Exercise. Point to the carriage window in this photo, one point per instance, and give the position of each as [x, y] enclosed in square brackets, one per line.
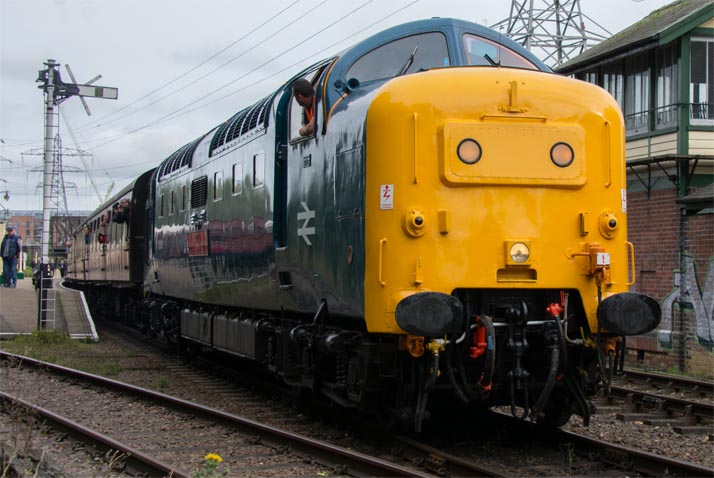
[387, 61]
[258, 170]
[217, 186]
[480, 51]
[237, 178]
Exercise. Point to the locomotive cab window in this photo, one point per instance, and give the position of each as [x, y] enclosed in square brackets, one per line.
[301, 110]
[482, 52]
[300, 116]
[401, 57]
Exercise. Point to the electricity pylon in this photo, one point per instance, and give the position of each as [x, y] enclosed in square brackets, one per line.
[555, 30]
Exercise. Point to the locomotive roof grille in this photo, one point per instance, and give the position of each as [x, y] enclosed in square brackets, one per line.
[234, 130]
[242, 123]
[182, 157]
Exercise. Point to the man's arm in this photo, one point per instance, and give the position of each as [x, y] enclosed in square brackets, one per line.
[308, 129]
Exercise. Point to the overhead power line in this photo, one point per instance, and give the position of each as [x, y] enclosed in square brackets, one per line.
[182, 75]
[180, 111]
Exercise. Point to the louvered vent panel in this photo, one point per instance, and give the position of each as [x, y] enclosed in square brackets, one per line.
[199, 192]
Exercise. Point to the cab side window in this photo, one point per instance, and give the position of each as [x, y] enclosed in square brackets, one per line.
[297, 112]
[401, 57]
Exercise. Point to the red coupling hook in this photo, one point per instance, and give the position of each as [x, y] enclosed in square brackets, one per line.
[555, 309]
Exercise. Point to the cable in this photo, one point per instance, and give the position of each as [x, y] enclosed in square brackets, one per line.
[174, 114]
[87, 125]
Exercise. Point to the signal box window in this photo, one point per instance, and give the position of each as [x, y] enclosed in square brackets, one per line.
[401, 57]
[701, 82]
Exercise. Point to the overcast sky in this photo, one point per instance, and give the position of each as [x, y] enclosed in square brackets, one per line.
[172, 60]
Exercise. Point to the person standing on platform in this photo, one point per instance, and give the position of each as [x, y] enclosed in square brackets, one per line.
[10, 249]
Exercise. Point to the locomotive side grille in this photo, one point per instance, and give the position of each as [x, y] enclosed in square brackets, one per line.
[199, 192]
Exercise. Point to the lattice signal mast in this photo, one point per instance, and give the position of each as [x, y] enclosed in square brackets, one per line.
[555, 30]
[56, 91]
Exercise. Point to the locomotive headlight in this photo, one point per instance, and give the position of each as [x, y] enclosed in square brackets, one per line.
[562, 154]
[469, 151]
[519, 252]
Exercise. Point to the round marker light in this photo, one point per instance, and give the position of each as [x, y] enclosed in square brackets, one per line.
[562, 154]
[519, 252]
[469, 151]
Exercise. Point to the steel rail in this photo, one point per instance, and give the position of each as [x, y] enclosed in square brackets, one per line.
[670, 404]
[134, 460]
[619, 456]
[347, 461]
[685, 384]
[631, 459]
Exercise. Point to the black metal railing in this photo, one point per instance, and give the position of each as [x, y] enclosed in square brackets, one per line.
[667, 116]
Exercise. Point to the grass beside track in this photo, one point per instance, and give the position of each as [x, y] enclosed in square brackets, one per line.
[55, 347]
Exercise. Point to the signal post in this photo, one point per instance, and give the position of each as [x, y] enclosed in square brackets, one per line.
[56, 91]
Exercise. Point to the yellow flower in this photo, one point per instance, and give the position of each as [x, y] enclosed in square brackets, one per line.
[214, 457]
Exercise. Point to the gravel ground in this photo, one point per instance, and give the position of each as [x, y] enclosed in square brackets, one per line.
[659, 440]
[151, 370]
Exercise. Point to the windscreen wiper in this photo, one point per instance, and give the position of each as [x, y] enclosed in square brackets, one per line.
[409, 62]
[490, 60]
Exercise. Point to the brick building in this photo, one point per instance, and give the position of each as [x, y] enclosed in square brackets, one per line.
[661, 72]
[28, 225]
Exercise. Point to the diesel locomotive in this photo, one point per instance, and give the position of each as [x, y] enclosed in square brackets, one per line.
[454, 232]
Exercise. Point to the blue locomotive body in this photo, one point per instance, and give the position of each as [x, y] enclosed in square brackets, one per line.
[265, 244]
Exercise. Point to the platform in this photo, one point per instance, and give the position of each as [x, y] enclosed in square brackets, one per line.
[18, 311]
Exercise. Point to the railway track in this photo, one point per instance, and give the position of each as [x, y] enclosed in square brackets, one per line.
[480, 456]
[162, 435]
[685, 404]
[665, 383]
